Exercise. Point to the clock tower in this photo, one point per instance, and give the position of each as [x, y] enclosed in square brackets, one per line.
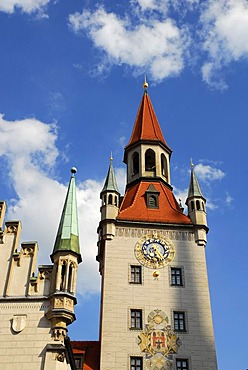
[155, 303]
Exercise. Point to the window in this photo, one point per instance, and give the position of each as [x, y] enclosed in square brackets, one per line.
[136, 319]
[152, 202]
[136, 363]
[176, 276]
[164, 166]
[110, 199]
[135, 163]
[150, 160]
[182, 364]
[79, 362]
[192, 205]
[179, 321]
[152, 197]
[136, 274]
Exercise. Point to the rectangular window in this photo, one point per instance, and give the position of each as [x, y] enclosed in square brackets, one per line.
[182, 364]
[179, 321]
[136, 363]
[136, 319]
[136, 274]
[176, 276]
[79, 362]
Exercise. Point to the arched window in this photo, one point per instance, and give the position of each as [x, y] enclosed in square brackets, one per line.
[152, 201]
[116, 201]
[192, 204]
[198, 207]
[110, 199]
[203, 206]
[164, 166]
[104, 199]
[135, 163]
[70, 279]
[63, 274]
[150, 160]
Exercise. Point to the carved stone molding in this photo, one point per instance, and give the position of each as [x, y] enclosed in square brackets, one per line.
[28, 250]
[60, 357]
[45, 274]
[58, 302]
[11, 229]
[59, 334]
[69, 303]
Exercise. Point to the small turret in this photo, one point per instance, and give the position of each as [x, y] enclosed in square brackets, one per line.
[197, 208]
[65, 257]
[110, 197]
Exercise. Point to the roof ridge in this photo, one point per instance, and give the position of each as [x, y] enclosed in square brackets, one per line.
[133, 199]
[172, 206]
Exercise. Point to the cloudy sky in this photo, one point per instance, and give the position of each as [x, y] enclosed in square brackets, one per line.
[71, 75]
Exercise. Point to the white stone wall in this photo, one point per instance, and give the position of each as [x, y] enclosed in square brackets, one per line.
[24, 349]
[119, 296]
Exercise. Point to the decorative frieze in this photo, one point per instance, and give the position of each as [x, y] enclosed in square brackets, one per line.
[14, 306]
[170, 234]
[64, 302]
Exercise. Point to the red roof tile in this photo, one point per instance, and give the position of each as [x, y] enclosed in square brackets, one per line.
[133, 207]
[146, 126]
[92, 353]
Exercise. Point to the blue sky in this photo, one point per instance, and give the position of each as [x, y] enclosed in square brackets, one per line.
[71, 75]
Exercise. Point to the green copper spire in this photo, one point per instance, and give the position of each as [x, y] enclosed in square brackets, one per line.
[194, 187]
[68, 237]
[110, 182]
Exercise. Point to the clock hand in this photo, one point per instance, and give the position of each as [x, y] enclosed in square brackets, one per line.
[157, 251]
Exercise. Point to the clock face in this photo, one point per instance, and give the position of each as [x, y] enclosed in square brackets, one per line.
[154, 252]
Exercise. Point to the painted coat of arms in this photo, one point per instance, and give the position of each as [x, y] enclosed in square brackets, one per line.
[158, 341]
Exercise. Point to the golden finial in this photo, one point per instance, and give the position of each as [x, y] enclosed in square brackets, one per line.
[191, 163]
[111, 156]
[145, 84]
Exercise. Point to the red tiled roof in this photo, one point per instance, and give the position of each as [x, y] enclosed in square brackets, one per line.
[92, 353]
[133, 207]
[146, 126]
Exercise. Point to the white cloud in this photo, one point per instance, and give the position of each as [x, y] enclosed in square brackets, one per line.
[27, 6]
[160, 5]
[39, 197]
[155, 46]
[228, 199]
[208, 173]
[164, 6]
[225, 34]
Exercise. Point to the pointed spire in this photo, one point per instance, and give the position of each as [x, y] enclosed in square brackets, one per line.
[68, 236]
[110, 182]
[146, 126]
[194, 187]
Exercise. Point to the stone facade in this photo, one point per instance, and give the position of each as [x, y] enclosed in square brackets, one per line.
[155, 302]
[118, 340]
[35, 307]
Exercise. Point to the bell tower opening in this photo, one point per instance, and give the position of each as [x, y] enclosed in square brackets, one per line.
[135, 163]
[150, 162]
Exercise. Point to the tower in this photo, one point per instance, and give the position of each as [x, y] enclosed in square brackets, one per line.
[155, 304]
[37, 306]
[65, 257]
